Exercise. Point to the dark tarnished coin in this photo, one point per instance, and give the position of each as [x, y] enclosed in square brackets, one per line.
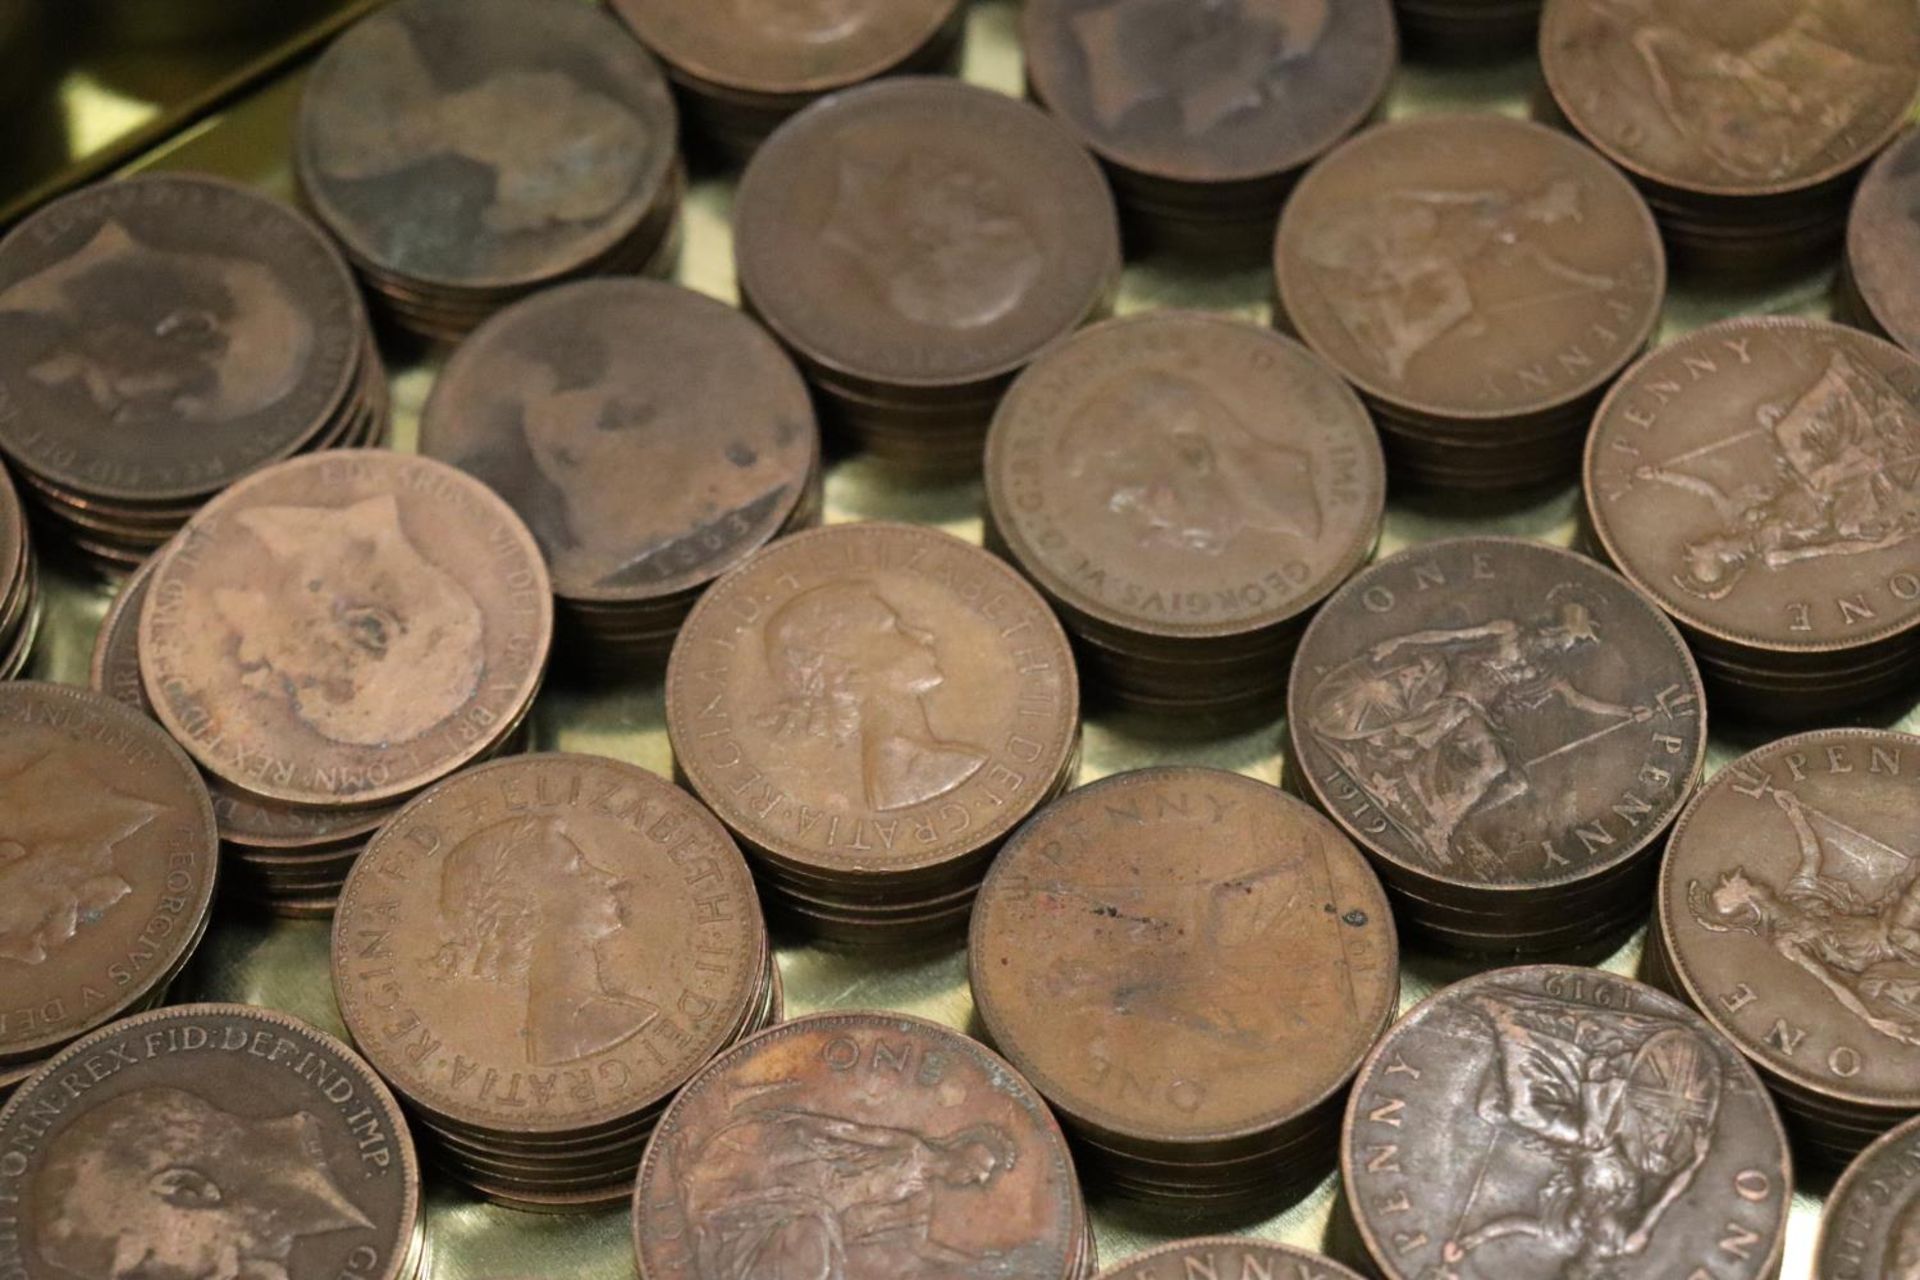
[469, 151]
[107, 860]
[1189, 964]
[1506, 728]
[1870, 1229]
[1883, 245]
[1481, 280]
[19, 582]
[345, 629]
[1474, 30]
[916, 242]
[1206, 113]
[1184, 487]
[1548, 1121]
[1789, 914]
[746, 65]
[208, 1140]
[872, 708]
[1227, 1258]
[650, 437]
[1757, 478]
[864, 1146]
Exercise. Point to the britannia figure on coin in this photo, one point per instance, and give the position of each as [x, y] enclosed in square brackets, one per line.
[798, 1195]
[162, 1182]
[153, 338]
[58, 827]
[368, 640]
[1845, 481]
[856, 674]
[1849, 915]
[1622, 1107]
[1170, 458]
[1422, 723]
[524, 907]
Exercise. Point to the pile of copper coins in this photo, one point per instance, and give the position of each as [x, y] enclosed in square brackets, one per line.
[159, 338]
[20, 610]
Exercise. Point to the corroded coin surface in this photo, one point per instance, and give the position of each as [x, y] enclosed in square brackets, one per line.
[1871, 1227]
[546, 944]
[108, 855]
[208, 1140]
[1550, 1121]
[346, 628]
[867, 1146]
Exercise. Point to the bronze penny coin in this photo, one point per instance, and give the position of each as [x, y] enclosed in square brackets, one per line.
[1883, 243]
[1871, 1227]
[1183, 479]
[1229, 1258]
[161, 336]
[1185, 961]
[1472, 275]
[1497, 723]
[650, 436]
[108, 856]
[485, 146]
[863, 1145]
[208, 1139]
[552, 943]
[1551, 1121]
[344, 629]
[872, 702]
[1789, 913]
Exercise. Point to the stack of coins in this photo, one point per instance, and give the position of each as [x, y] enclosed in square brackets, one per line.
[1481, 281]
[1189, 964]
[1883, 248]
[1507, 730]
[1515, 1102]
[19, 583]
[469, 152]
[743, 68]
[1871, 1226]
[651, 438]
[1786, 916]
[1184, 489]
[1468, 28]
[871, 709]
[332, 635]
[1204, 124]
[211, 1139]
[1756, 478]
[952, 1153]
[915, 243]
[1745, 126]
[537, 954]
[107, 857]
[162, 336]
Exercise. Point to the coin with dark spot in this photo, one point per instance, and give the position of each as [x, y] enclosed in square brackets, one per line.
[1227, 1258]
[1549, 1121]
[867, 1146]
[1481, 281]
[108, 856]
[1883, 244]
[1189, 964]
[1505, 727]
[1870, 1229]
[208, 1140]
[345, 629]
[1205, 114]
[1789, 914]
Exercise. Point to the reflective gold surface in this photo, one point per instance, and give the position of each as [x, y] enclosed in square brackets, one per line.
[284, 964]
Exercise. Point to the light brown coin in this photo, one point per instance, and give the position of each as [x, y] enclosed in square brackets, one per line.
[346, 628]
[1227, 1258]
[1871, 1227]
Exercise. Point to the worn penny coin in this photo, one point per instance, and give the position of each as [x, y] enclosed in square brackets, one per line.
[108, 854]
[161, 336]
[551, 943]
[1229, 1258]
[872, 701]
[1883, 243]
[203, 1140]
[1870, 1229]
[1789, 911]
[650, 436]
[862, 1145]
[346, 628]
[1495, 719]
[1551, 1121]
[1183, 960]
